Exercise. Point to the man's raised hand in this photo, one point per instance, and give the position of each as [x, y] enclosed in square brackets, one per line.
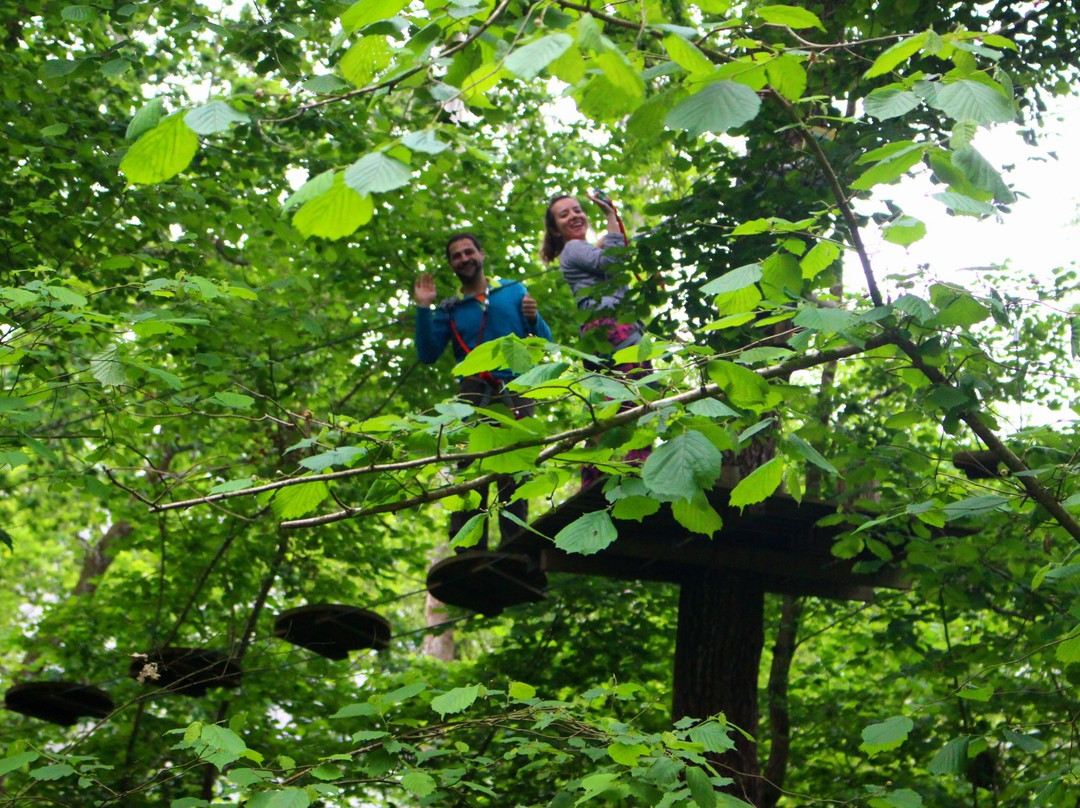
[528, 308]
[424, 293]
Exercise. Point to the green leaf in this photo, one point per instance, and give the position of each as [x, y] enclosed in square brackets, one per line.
[10, 764]
[717, 107]
[980, 173]
[232, 485]
[419, 783]
[160, 153]
[314, 187]
[365, 12]
[58, 68]
[713, 736]
[325, 84]
[810, 453]
[964, 205]
[77, 13]
[54, 772]
[983, 693]
[471, 532]
[904, 231]
[377, 173]
[759, 484]
[455, 701]
[951, 758]
[791, 16]
[701, 788]
[890, 169]
[1028, 743]
[366, 59]
[295, 501]
[696, 515]
[528, 61]
[967, 100]
[341, 456]
[285, 798]
[734, 280]
[587, 534]
[687, 55]
[742, 386]
[787, 76]
[889, 102]
[236, 401]
[214, 117]
[1068, 650]
[425, 141]
[519, 691]
[336, 213]
[824, 320]
[634, 508]
[895, 55]
[681, 467]
[596, 784]
[820, 257]
[627, 754]
[889, 734]
[107, 368]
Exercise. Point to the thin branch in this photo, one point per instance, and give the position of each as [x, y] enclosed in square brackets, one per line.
[556, 443]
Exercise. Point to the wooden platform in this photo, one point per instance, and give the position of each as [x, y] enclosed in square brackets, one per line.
[333, 630]
[775, 540]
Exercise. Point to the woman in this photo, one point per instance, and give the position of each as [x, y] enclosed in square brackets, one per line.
[583, 266]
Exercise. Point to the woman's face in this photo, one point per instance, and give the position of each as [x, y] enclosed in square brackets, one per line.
[570, 219]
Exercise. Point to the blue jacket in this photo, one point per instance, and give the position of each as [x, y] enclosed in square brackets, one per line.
[500, 316]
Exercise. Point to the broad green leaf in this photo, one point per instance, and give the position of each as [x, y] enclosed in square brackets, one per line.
[758, 485]
[377, 173]
[365, 12]
[980, 173]
[742, 386]
[455, 701]
[889, 170]
[10, 764]
[471, 532]
[590, 36]
[820, 257]
[325, 84]
[58, 68]
[733, 280]
[711, 408]
[479, 82]
[787, 76]
[528, 61]
[622, 75]
[687, 55]
[295, 501]
[290, 797]
[717, 107]
[519, 691]
[160, 153]
[232, 485]
[696, 515]
[896, 55]
[683, 466]
[951, 758]
[214, 117]
[316, 186]
[14, 459]
[325, 771]
[1028, 743]
[596, 784]
[56, 771]
[823, 320]
[1068, 650]
[588, 534]
[967, 100]
[107, 368]
[974, 506]
[236, 401]
[983, 693]
[889, 102]
[336, 213]
[701, 788]
[790, 16]
[904, 231]
[964, 311]
[713, 736]
[964, 205]
[360, 709]
[634, 508]
[886, 735]
[115, 67]
[341, 456]
[419, 783]
[627, 754]
[77, 13]
[425, 141]
[365, 59]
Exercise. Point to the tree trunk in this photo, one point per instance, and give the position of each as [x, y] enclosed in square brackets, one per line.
[441, 645]
[717, 656]
[779, 717]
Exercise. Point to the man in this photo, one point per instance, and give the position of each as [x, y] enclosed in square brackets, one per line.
[485, 310]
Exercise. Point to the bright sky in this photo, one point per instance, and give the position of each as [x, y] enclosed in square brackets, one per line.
[1041, 233]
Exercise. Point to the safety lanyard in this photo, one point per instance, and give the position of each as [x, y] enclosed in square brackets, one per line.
[489, 378]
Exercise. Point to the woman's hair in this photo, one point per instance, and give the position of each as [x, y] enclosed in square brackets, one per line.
[552, 246]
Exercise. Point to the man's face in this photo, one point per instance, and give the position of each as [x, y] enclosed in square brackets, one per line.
[466, 259]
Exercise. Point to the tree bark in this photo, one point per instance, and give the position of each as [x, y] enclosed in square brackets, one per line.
[779, 717]
[442, 645]
[717, 657]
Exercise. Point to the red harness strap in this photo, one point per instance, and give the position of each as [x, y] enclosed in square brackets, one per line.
[486, 376]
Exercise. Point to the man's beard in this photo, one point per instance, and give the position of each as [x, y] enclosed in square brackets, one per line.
[468, 271]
